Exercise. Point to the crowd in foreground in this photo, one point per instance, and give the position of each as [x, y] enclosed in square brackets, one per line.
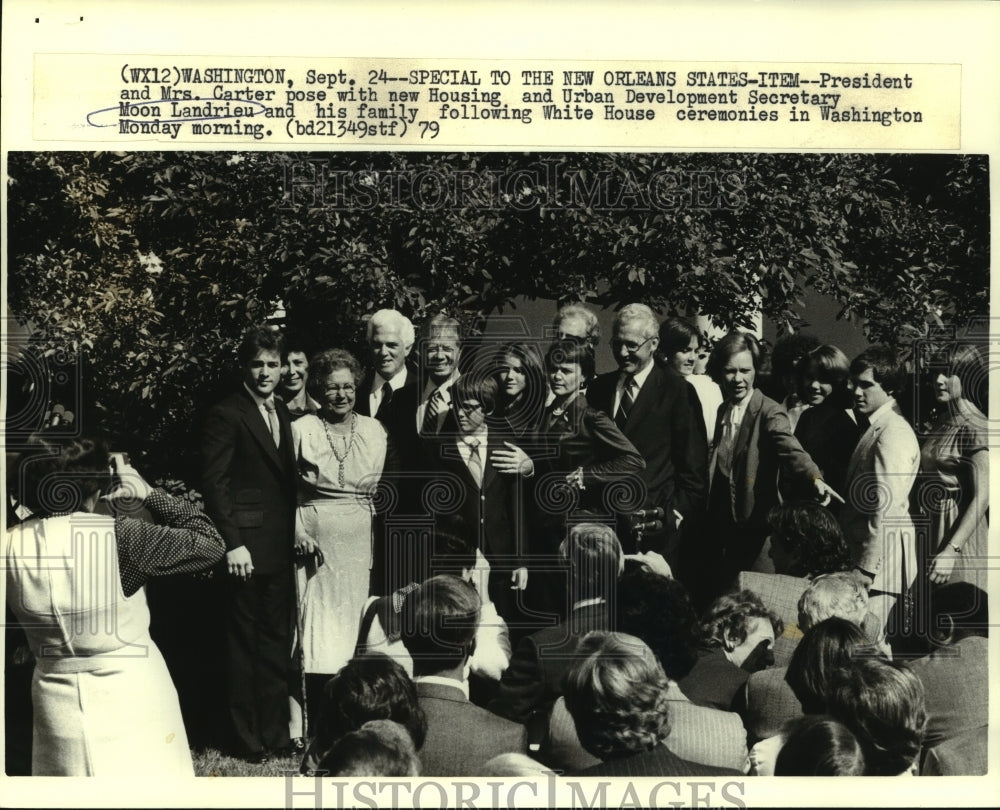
[497, 562]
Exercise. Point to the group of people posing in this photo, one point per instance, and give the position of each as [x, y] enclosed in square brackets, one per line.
[490, 536]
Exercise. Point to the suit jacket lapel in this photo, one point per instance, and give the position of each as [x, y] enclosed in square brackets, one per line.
[864, 448]
[259, 430]
[650, 392]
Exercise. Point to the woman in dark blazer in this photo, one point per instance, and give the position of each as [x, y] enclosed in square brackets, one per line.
[753, 440]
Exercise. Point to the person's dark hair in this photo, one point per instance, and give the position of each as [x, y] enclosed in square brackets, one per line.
[570, 351]
[676, 335]
[533, 401]
[729, 345]
[56, 474]
[378, 748]
[260, 339]
[728, 618]
[818, 659]
[789, 353]
[371, 687]
[658, 610]
[324, 363]
[829, 365]
[959, 610]
[812, 535]
[882, 703]
[595, 560]
[476, 386]
[451, 552]
[617, 696]
[817, 745]
[886, 370]
[439, 621]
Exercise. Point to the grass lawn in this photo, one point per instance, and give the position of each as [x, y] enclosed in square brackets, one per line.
[211, 762]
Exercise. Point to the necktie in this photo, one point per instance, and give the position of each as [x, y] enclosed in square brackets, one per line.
[272, 422]
[432, 412]
[386, 397]
[628, 398]
[475, 463]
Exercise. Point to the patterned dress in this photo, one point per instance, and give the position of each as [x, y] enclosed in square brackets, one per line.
[335, 511]
[947, 456]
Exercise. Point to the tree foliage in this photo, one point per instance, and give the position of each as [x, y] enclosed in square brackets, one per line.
[150, 265]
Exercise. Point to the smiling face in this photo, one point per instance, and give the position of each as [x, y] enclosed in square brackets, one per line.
[295, 373]
[738, 376]
[441, 354]
[389, 353]
[512, 376]
[869, 395]
[339, 392]
[632, 348]
[565, 378]
[263, 373]
[814, 391]
[684, 360]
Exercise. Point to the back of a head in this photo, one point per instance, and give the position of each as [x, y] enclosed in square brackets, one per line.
[595, 559]
[58, 474]
[811, 536]
[515, 764]
[439, 621]
[658, 610]
[838, 594]
[882, 703]
[817, 745]
[819, 659]
[378, 748]
[958, 610]
[371, 687]
[616, 694]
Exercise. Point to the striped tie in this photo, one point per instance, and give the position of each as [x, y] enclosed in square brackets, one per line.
[625, 405]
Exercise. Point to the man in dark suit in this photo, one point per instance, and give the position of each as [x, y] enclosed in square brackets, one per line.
[653, 408]
[439, 622]
[389, 393]
[249, 478]
[488, 511]
[533, 681]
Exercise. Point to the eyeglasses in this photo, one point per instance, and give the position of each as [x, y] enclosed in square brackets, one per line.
[341, 389]
[628, 345]
[467, 407]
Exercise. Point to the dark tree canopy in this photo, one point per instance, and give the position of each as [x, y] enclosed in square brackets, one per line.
[150, 265]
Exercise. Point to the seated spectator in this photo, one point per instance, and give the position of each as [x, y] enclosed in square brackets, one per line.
[658, 610]
[738, 634]
[616, 695]
[882, 702]
[439, 622]
[515, 765]
[534, 679]
[380, 622]
[956, 673]
[819, 746]
[370, 688]
[378, 748]
[840, 595]
[805, 542]
[825, 651]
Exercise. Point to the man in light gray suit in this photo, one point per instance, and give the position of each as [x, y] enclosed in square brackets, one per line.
[439, 622]
[876, 520]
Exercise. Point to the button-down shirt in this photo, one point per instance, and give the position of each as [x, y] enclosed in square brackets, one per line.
[429, 389]
[261, 405]
[732, 418]
[375, 397]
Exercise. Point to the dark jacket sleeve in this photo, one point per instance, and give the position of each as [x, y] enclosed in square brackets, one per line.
[689, 446]
[218, 448]
[614, 455]
[522, 688]
[794, 461]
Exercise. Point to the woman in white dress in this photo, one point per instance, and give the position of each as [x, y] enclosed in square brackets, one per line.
[104, 703]
[340, 457]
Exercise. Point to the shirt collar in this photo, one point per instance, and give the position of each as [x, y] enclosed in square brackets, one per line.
[430, 388]
[462, 686]
[397, 382]
[479, 437]
[639, 376]
[887, 407]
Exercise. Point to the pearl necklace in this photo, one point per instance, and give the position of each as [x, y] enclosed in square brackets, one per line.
[348, 446]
